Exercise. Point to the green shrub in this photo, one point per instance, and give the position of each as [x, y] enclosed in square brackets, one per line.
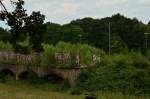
[86, 53]
[139, 61]
[147, 54]
[126, 73]
[47, 57]
[5, 46]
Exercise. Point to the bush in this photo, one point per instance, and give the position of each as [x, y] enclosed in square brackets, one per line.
[75, 91]
[86, 52]
[5, 46]
[126, 73]
[47, 57]
[139, 61]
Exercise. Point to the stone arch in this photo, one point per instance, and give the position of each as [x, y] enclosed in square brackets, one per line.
[6, 72]
[54, 77]
[28, 75]
[8, 67]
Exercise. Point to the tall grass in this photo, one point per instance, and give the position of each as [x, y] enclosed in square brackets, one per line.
[5, 46]
[84, 51]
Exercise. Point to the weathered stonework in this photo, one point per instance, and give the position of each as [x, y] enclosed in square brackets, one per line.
[69, 74]
[19, 63]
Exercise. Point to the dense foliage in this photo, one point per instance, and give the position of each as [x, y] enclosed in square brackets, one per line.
[126, 33]
[47, 59]
[127, 70]
[5, 46]
[85, 52]
[124, 73]
[23, 26]
[4, 35]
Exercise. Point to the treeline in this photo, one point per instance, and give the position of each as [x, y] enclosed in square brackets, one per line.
[126, 33]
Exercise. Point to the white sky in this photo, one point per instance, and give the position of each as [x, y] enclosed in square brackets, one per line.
[63, 11]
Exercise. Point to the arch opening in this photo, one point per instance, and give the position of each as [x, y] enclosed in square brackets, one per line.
[6, 75]
[57, 81]
[29, 76]
[54, 78]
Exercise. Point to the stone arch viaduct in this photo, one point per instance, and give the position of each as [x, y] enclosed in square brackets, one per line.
[8, 58]
[69, 74]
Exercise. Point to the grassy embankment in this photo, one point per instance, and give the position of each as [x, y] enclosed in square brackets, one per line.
[26, 91]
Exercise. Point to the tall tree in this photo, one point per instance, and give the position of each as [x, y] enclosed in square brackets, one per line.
[24, 26]
[15, 21]
[72, 33]
[4, 35]
[129, 31]
[35, 27]
[53, 33]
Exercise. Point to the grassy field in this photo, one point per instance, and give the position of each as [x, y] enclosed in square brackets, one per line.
[11, 91]
[24, 91]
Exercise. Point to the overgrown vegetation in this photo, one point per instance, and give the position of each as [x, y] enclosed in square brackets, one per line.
[5, 46]
[126, 33]
[47, 59]
[84, 51]
[126, 73]
[23, 26]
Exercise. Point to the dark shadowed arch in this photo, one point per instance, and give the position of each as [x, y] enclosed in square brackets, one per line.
[7, 74]
[53, 78]
[28, 75]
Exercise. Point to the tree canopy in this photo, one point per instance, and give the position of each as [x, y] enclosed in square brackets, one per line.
[23, 26]
[126, 33]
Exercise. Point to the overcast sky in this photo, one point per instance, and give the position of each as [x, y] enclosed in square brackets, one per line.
[63, 11]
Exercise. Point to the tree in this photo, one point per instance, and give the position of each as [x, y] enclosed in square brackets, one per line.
[53, 33]
[129, 31]
[68, 33]
[72, 33]
[4, 35]
[149, 23]
[15, 21]
[24, 26]
[35, 27]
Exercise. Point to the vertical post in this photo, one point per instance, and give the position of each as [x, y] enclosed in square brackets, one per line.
[109, 40]
[80, 37]
[78, 60]
[17, 77]
[146, 41]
